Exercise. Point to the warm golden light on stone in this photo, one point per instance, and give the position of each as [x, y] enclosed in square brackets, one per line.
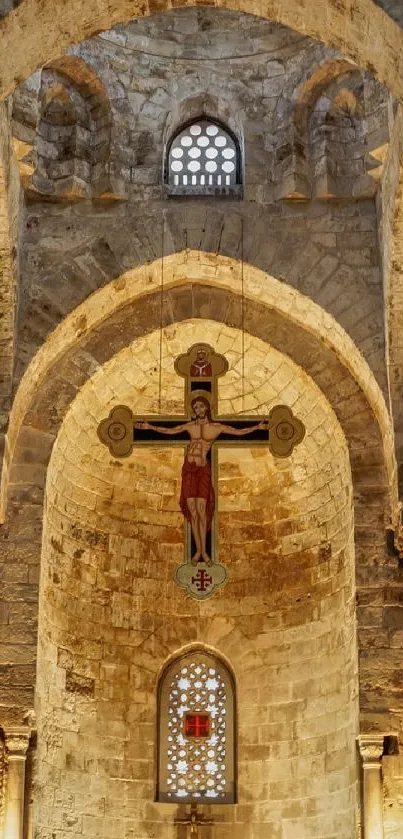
[16, 745]
[201, 182]
[114, 535]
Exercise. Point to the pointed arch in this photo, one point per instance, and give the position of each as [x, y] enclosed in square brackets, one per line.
[342, 28]
[68, 128]
[93, 328]
[339, 140]
[197, 725]
[202, 286]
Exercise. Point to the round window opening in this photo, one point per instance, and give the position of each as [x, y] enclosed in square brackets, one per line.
[205, 155]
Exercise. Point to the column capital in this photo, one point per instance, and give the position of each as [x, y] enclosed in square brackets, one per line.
[17, 742]
[371, 748]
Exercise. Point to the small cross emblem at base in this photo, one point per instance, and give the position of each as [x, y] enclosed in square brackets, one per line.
[202, 580]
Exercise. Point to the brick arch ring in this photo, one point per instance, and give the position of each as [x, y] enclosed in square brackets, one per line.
[38, 31]
[201, 285]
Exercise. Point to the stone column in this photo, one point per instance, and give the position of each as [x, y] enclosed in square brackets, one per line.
[17, 741]
[371, 748]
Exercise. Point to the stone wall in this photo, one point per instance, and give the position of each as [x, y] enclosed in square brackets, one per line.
[328, 253]
[3, 781]
[11, 220]
[101, 644]
[275, 313]
[111, 613]
[308, 124]
[353, 30]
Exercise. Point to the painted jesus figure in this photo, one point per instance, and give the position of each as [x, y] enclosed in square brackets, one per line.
[197, 499]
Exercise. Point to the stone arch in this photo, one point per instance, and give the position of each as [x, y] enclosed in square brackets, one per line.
[348, 290]
[394, 301]
[56, 154]
[297, 162]
[348, 136]
[94, 571]
[339, 126]
[9, 267]
[198, 286]
[72, 138]
[7, 309]
[110, 303]
[203, 105]
[341, 28]
[311, 90]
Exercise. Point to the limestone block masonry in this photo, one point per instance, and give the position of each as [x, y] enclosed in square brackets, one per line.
[105, 278]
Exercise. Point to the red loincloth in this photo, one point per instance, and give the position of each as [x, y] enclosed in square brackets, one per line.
[196, 483]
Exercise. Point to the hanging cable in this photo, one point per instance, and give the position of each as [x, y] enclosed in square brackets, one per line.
[242, 320]
[161, 314]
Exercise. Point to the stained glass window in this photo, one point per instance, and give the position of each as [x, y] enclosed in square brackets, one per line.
[196, 731]
[202, 157]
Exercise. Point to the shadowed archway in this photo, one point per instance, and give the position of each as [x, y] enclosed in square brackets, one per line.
[198, 286]
[33, 34]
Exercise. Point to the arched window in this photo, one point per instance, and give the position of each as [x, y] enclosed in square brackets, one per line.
[203, 157]
[196, 731]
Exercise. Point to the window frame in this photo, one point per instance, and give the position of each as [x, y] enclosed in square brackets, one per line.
[233, 190]
[231, 796]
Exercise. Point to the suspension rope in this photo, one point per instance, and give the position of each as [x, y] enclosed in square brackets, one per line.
[242, 319]
[161, 314]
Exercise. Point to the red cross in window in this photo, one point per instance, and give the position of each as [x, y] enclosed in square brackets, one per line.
[197, 725]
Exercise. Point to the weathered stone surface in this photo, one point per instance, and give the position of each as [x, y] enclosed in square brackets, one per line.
[90, 543]
[287, 591]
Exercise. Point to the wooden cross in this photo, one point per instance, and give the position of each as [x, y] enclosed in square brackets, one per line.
[201, 367]
[195, 820]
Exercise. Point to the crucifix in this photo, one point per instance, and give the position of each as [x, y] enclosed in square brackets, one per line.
[203, 431]
[195, 820]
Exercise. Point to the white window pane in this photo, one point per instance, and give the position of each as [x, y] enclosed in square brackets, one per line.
[201, 761]
[203, 148]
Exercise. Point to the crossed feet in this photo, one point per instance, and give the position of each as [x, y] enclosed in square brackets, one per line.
[199, 556]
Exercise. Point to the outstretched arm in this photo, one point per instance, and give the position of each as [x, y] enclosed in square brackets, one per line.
[242, 432]
[148, 426]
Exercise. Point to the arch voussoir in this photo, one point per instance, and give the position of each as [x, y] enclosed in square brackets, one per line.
[196, 300]
[70, 358]
[38, 32]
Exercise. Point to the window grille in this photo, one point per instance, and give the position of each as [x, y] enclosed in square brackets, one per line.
[202, 157]
[196, 732]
